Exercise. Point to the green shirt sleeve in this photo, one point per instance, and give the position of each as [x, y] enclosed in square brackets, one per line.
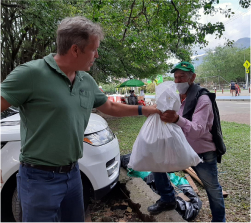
[17, 87]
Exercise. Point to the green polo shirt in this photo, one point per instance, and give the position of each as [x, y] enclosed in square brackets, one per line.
[54, 114]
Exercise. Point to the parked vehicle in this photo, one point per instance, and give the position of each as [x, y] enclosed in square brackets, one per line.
[99, 165]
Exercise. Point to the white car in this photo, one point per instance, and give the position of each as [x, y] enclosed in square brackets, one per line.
[99, 165]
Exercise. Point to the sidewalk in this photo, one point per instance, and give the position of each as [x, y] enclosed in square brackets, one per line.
[225, 96]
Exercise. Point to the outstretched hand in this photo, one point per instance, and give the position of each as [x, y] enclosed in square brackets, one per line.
[170, 116]
[149, 110]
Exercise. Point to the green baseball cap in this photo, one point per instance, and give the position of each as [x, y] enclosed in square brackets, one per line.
[186, 66]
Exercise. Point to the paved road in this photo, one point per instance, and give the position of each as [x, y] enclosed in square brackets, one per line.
[230, 111]
[235, 111]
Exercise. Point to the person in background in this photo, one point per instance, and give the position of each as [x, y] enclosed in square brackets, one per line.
[237, 89]
[132, 99]
[197, 132]
[55, 97]
[232, 87]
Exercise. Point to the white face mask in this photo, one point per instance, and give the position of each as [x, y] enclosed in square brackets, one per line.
[182, 87]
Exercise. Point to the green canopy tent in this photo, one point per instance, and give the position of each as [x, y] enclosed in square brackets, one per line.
[131, 83]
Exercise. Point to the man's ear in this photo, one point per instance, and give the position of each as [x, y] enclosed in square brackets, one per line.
[193, 77]
[74, 50]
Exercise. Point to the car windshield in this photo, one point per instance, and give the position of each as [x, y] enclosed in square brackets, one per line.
[9, 112]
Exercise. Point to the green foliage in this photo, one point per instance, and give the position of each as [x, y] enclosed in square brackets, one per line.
[226, 62]
[140, 34]
[109, 88]
[150, 88]
[28, 30]
[168, 78]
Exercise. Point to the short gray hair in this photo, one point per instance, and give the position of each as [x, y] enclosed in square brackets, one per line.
[76, 30]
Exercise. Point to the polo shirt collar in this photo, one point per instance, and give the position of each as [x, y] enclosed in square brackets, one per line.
[52, 63]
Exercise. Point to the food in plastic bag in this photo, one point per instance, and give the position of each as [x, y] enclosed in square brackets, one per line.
[160, 146]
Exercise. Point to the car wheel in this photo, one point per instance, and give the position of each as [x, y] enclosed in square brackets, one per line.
[16, 207]
[87, 190]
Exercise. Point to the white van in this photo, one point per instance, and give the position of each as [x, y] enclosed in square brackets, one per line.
[99, 165]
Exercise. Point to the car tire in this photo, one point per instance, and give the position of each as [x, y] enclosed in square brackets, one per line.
[16, 207]
[87, 190]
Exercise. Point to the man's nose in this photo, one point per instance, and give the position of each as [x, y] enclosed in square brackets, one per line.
[96, 55]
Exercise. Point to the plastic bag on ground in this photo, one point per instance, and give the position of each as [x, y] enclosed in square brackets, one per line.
[160, 146]
[188, 210]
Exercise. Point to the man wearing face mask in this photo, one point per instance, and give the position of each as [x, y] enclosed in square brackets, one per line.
[196, 121]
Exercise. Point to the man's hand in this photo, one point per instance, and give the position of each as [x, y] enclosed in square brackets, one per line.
[4, 104]
[1, 177]
[148, 110]
[169, 116]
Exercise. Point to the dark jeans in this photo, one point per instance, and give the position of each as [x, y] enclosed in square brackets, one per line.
[50, 197]
[164, 187]
[208, 174]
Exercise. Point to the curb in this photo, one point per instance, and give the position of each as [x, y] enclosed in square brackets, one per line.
[141, 196]
[222, 99]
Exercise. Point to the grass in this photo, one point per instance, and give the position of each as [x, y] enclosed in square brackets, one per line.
[234, 171]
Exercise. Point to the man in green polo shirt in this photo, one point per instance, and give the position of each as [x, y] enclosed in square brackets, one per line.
[55, 97]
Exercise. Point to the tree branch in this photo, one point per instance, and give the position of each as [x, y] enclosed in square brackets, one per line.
[144, 12]
[129, 20]
[178, 16]
[177, 20]
[12, 5]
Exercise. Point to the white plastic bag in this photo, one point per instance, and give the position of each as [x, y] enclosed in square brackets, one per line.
[160, 146]
[166, 97]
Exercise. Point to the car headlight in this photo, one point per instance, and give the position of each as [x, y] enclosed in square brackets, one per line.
[99, 138]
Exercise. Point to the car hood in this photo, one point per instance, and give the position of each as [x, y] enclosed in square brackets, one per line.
[96, 123]
[12, 132]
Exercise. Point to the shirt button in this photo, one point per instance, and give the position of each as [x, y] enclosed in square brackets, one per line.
[69, 85]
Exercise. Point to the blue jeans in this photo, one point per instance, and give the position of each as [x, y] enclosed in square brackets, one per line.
[164, 187]
[47, 196]
[208, 174]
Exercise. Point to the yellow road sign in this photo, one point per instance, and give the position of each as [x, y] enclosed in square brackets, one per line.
[247, 71]
[246, 64]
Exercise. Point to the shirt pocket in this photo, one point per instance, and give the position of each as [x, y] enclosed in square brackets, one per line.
[85, 99]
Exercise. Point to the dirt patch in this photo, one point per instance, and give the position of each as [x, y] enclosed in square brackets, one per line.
[114, 207]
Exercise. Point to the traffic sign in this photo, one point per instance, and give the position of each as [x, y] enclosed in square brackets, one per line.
[246, 64]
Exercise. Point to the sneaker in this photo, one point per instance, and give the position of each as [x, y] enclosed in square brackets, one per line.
[160, 206]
